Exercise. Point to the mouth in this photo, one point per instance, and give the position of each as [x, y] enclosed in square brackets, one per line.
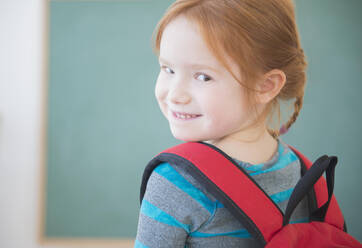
[184, 116]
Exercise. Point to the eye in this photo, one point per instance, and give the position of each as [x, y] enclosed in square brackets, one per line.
[167, 69]
[204, 76]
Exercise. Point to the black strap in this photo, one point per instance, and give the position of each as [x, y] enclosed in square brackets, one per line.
[312, 197]
[305, 184]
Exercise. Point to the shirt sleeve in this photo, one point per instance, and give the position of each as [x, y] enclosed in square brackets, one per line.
[172, 207]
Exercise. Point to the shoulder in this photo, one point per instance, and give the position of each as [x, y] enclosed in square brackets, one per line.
[278, 176]
[172, 191]
[288, 150]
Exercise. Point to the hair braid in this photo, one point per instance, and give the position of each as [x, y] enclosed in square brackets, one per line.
[285, 127]
[297, 107]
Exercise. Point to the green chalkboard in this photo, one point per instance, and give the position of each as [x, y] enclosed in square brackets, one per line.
[104, 124]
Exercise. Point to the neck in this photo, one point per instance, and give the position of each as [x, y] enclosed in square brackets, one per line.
[253, 146]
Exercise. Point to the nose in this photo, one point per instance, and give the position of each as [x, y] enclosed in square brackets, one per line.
[178, 93]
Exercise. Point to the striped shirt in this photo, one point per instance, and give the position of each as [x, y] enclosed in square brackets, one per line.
[178, 212]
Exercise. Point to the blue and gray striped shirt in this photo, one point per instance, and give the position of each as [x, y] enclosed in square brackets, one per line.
[178, 212]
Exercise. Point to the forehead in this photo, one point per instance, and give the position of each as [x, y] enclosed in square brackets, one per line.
[182, 44]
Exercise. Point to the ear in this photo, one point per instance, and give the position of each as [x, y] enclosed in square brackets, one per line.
[270, 85]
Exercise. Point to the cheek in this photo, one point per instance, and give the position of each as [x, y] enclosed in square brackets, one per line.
[227, 110]
[160, 90]
[161, 94]
[215, 110]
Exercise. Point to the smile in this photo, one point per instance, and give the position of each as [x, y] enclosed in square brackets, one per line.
[184, 116]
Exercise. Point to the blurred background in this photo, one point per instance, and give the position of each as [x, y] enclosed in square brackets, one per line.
[79, 122]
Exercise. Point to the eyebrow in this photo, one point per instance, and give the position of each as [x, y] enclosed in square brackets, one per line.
[192, 65]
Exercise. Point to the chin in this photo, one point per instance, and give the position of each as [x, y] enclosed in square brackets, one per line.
[186, 137]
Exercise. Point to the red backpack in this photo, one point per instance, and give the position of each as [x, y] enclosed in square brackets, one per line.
[326, 227]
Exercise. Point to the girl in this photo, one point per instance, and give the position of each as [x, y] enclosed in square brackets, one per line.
[225, 67]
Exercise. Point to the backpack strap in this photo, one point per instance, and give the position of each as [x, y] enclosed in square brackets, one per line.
[228, 182]
[334, 214]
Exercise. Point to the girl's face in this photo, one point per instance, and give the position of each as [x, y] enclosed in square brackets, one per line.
[200, 98]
